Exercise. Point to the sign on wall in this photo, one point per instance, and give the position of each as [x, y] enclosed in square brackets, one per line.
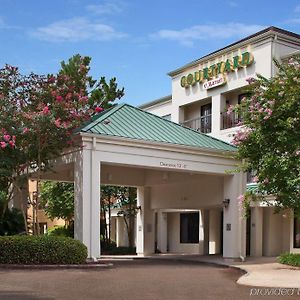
[214, 75]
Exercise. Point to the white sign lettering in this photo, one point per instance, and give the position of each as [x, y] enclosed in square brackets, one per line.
[173, 165]
[214, 83]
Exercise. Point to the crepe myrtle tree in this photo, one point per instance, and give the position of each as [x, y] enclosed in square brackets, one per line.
[39, 114]
[269, 140]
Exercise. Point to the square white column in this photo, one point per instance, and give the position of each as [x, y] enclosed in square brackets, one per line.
[256, 241]
[87, 201]
[217, 104]
[177, 114]
[145, 223]
[162, 231]
[214, 231]
[203, 231]
[234, 227]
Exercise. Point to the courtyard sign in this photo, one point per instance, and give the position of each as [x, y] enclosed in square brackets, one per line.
[208, 74]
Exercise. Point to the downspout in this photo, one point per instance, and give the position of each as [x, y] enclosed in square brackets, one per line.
[93, 258]
[274, 40]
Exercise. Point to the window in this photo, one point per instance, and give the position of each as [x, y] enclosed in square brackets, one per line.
[241, 96]
[297, 233]
[189, 228]
[206, 118]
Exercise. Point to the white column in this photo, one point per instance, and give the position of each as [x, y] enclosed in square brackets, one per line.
[234, 229]
[145, 223]
[214, 231]
[177, 114]
[162, 231]
[122, 240]
[87, 201]
[203, 232]
[256, 236]
[216, 114]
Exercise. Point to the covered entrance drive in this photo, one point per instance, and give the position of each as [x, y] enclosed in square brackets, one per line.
[181, 179]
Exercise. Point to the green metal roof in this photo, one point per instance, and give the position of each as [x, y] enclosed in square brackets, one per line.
[252, 187]
[130, 122]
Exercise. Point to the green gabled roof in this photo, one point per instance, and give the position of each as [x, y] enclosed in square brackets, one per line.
[252, 187]
[130, 122]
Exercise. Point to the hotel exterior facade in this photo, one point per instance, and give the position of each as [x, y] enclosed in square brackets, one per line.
[187, 200]
[201, 93]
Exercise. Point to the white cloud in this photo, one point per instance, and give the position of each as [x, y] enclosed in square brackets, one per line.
[75, 30]
[189, 36]
[107, 8]
[297, 8]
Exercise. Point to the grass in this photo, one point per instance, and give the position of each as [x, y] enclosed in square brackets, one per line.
[290, 259]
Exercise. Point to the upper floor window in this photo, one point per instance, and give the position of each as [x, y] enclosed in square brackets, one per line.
[232, 119]
[202, 123]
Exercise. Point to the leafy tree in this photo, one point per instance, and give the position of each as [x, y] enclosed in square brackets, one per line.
[11, 220]
[39, 114]
[124, 198]
[57, 199]
[128, 202]
[269, 141]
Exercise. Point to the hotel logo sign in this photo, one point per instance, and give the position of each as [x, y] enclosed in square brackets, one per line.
[214, 83]
[214, 75]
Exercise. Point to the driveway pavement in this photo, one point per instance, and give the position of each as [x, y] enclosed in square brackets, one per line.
[142, 279]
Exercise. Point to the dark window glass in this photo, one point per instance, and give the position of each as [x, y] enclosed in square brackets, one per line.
[297, 233]
[189, 228]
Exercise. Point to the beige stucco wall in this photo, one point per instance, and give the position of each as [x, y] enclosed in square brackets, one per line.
[275, 232]
[174, 237]
[207, 191]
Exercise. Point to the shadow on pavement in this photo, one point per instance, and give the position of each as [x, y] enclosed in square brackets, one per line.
[12, 295]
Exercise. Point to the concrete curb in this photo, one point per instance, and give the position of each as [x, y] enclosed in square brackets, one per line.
[270, 276]
[88, 266]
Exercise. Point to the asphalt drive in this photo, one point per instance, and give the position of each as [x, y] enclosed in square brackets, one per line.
[141, 279]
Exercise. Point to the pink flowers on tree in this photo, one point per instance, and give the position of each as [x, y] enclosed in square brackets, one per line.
[269, 140]
[7, 140]
[39, 114]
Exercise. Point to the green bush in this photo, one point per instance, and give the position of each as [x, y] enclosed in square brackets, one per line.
[11, 220]
[291, 259]
[61, 231]
[41, 250]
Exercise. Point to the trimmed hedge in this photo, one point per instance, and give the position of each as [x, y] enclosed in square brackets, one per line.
[291, 259]
[41, 250]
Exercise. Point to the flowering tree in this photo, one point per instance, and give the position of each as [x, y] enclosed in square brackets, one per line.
[269, 141]
[39, 114]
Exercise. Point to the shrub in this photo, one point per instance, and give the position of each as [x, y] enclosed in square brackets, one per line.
[291, 259]
[61, 231]
[11, 221]
[41, 250]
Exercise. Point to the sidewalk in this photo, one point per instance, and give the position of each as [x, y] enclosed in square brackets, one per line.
[261, 271]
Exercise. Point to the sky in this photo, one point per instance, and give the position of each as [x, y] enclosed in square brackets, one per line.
[136, 41]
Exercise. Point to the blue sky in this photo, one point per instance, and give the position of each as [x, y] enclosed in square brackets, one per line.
[137, 41]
